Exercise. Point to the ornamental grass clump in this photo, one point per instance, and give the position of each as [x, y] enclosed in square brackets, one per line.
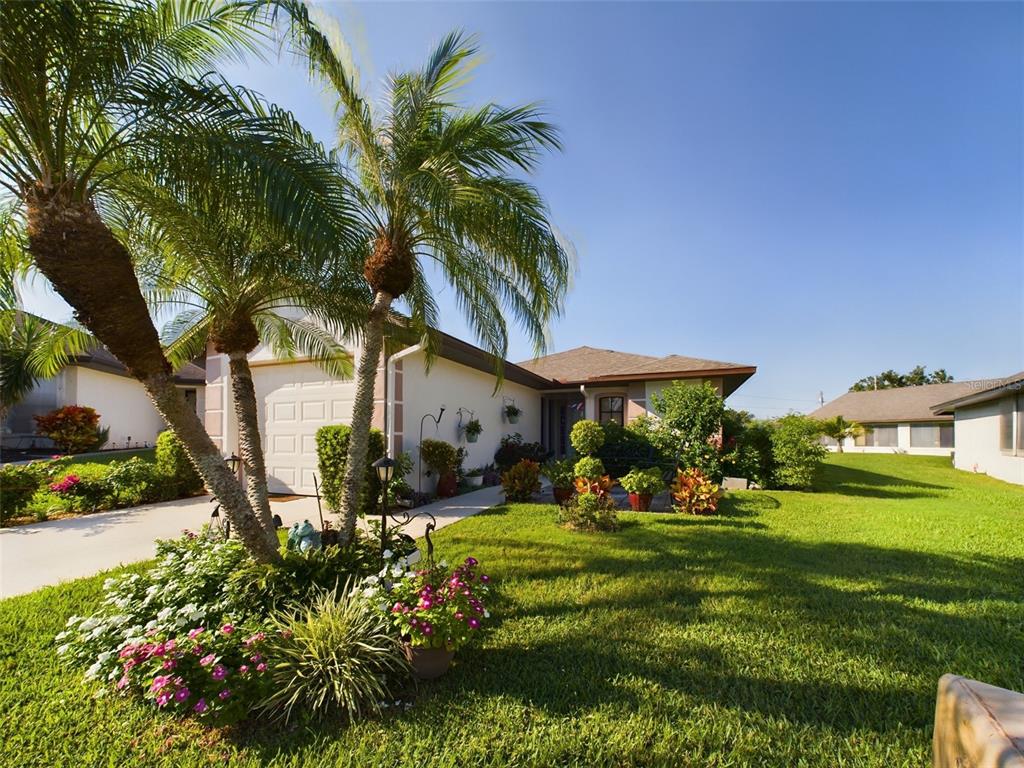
[336, 656]
[438, 607]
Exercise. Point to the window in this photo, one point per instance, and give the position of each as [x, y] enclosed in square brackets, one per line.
[190, 398]
[878, 436]
[1006, 409]
[1020, 423]
[611, 409]
[931, 435]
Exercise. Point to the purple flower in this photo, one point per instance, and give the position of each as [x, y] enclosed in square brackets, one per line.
[261, 667]
[219, 672]
[194, 633]
[207, 660]
[459, 615]
[159, 682]
[255, 658]
[243, 669]
[224, 694]
[474, 623]
[200, 706]
[427, 628]
[227, 629]
[485, 578]
[181, 694]
[169, 664]
[162, 699]
[471, 561]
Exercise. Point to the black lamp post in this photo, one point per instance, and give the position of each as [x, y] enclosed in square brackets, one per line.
[385, 468]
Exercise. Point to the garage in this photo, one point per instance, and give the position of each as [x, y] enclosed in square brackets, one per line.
[298, 399]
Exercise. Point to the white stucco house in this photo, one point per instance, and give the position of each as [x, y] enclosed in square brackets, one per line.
[100, 381]
[899, 420]
[296, 398]
[989, 424]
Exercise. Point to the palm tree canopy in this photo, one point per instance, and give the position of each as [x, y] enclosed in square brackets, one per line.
[438, 186]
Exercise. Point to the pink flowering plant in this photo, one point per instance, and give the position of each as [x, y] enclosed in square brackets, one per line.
[216, 674]
[440, 607]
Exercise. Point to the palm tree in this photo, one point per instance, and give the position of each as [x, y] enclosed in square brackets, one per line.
[839, 429]
[437, 185]
[237, 282]
[92, 93]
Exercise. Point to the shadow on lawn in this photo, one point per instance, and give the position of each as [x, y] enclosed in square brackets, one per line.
[850, 481]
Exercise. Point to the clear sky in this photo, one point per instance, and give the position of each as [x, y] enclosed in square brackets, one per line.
[823, 190]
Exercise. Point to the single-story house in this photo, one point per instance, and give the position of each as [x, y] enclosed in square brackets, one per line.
[100, 381]
[899, 420]
[296, 398]
[989, 424]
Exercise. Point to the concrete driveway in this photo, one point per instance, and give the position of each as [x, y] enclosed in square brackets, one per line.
[41, 554]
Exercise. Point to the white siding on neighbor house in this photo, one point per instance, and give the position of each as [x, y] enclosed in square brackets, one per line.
[457, 386]
[43, 398]
[902, 444]
[977, 443]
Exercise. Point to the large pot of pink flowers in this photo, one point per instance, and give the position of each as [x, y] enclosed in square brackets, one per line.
[436, 611]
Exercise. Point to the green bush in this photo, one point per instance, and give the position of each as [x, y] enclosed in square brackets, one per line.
[747, 448]
[690, 420]
[338, 656]
[592, 509]
[174, 464]
[586, 437]
[521, 481]
[561, 473]
[332, 456]
[628, 447]
[512, 450]
[18, 484]
[440, 457]
[643, 481]
[796, 450]
[589, 467]
[137, 481]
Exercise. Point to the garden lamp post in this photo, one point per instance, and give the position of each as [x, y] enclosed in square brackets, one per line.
[385, 468]
[419, 474]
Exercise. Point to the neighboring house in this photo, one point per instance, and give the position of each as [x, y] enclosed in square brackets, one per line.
[989, 423]
[296, 398]
[98, 380]
[898, 420]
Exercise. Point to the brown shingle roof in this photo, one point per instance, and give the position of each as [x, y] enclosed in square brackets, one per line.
[680, 364]
[981, 391]
[583, 364]
[901, 404]
[101, 358]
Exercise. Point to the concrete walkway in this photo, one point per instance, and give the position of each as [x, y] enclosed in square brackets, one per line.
[41, 554]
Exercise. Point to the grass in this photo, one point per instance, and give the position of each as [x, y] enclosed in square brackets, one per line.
[793, 629]
[105, 457]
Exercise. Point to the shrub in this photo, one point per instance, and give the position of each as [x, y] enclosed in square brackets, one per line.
[332, 456]
[628, 447]
[84, 490]
[521, 481]
[442, 458]
[335, 656]
[561, 472]
[136, 481]
[643, 481]
[216, 674]
[18, 484]
[174, 464]
[438, 607]
[747, 448]
[694, 493]
[690, 420]
[589, 467]
[512, 450]
[797, 451]
[586, 437]
[592, 509]
[73, 428]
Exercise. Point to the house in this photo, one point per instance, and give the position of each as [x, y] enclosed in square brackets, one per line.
[989, 424]
[898, 420]
[296, 398]
[100, 381]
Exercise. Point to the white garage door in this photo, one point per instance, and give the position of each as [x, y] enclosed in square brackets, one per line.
[298, 399]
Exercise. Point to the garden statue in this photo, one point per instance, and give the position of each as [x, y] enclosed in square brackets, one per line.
[303, 537]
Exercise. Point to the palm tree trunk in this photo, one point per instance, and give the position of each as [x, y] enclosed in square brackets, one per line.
[249, 442]
[839, 443]
[362, 413]
[93, 272]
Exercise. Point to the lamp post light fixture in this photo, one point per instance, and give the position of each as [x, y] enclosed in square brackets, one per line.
[385, 469]
[419, 474]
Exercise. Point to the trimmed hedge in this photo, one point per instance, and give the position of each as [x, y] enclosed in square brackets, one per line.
[173, 463]
[332, 456]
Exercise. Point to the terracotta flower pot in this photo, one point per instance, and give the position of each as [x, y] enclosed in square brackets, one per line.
[447, 485]
[428, 663]
[640, 502]
[562, 495]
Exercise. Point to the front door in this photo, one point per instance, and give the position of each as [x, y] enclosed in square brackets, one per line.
[558, 414]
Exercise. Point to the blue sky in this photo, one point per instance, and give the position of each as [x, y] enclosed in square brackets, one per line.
[823, 190]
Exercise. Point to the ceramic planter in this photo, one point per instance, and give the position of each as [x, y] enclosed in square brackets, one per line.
[562, 495]
[476, 481]
[512, 419]
[472, 437]
[428, 663]
[640, 502]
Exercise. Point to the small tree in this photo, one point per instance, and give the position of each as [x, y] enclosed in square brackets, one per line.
[797, 450]
[839, 429]
[690, 425]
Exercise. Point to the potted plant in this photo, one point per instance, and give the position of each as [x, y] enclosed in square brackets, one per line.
[473, 429]
[442, 459]
[512, 412]
[561, 474]
[642, 484]
[436, 611]
[475, 477]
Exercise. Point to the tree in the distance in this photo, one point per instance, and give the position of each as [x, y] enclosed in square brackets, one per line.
[891, 379]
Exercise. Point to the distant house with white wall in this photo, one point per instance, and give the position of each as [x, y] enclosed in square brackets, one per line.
[989, 424]
[296, 398]
[98, 380]
[899, 420]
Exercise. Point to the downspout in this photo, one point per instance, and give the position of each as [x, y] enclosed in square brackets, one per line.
[389, 406]
[583, 392]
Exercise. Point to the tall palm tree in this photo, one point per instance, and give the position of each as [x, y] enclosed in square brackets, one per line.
[437, 186]
[96, 91]
[839, 429]
[237, 281]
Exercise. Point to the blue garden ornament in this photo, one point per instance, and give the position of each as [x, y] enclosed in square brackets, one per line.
[303, 537]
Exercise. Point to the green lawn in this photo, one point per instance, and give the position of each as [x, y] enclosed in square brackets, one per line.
[794, 629]
[105, 457]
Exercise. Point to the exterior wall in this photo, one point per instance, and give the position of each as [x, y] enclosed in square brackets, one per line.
[43, 398]
[903, 445]
[977, 444]
[457, 386]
